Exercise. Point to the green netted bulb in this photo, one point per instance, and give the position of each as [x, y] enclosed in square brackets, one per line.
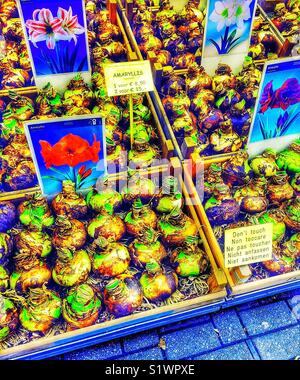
[176, 227]
[98, 200]
[289, 159]
[36, 213]
[147, 248]
[9, 318]
[153, 267]
[158, 284]
[140, 218]
[81, 307]
[107, 225]
[69, 203]
[123, 296]
[4, 279]
[112, 261]
[265, 165]
[71, 268]
[34, 242]
[42, 309]
[279, 227]
[190, 261]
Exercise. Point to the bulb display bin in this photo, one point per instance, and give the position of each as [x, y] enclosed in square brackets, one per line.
[165, 35]
[284, 17]
[15, 66]
[266, 43]
[18, 105]
[209, 116]
[140, 261]
[17, 172]
[242, 195]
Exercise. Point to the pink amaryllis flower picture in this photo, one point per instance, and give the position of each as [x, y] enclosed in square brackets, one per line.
[45, 27]
[51, 32]
[70, 23]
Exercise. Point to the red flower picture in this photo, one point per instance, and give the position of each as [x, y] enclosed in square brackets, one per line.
[71, 150]
[285, 98]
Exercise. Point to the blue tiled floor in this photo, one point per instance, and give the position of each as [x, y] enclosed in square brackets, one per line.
[103, 352]
[151, 354]
[281, 345]
[141, 341]
[229, 326]
[238, 351]
[268, 329]
[262, 319]
[191, 341]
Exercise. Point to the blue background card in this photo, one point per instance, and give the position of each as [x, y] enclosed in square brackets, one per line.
[57, 37]
[228, 27]
[276, 121]
[68, 149]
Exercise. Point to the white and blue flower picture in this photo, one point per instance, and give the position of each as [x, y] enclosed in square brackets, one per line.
[228, 27]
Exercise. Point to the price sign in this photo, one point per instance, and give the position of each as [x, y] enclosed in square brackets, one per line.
[248, 245]
[128, 78]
